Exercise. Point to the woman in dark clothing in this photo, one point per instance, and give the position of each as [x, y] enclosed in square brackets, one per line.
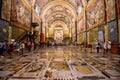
[98, 47]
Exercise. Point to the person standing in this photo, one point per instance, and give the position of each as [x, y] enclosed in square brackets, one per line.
[105, 48]
[35, 45]
[22, 47]
[97, 46]
[109, 47]
[29, 44]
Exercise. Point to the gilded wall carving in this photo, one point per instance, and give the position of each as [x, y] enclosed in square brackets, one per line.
[92, 35]
[81, 38]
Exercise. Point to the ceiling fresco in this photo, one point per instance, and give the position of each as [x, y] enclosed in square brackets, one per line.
[77, 4]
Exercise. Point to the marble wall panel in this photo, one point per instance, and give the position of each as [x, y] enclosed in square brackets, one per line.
[113, 32]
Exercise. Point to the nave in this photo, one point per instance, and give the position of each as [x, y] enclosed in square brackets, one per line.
[60, 63]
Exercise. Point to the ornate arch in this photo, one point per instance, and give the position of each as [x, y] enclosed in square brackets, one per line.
[58, 2]
[58, 13]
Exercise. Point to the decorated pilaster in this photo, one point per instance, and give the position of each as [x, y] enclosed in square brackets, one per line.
[9, 34]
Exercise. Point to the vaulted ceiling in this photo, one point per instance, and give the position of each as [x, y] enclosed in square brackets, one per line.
[65, 11]
[77, 4]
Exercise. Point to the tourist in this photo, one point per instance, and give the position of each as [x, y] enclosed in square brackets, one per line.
[109, 46]
[97, 46]
[29, 44]
[22, 47]
[105, 48]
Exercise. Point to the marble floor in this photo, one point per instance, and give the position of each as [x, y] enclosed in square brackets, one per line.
[60, 63]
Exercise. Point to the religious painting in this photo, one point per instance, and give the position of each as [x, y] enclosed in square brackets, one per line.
[118, 7]
[81, 24]
[90, 18]
[99, 12]
[27, 18]
[6, 9]
[112, 31]
[110, 5]
[20, 14]
[95, 14]
[4, 30]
